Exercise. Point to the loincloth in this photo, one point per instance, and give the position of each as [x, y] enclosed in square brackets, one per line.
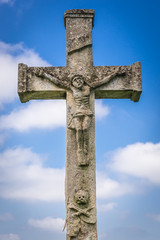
[79, 114]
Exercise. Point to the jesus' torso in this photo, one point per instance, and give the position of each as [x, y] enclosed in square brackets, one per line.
[81, 97]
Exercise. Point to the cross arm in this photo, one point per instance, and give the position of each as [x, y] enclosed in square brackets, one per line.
[42, 82]
[113, 83]
[118, 71]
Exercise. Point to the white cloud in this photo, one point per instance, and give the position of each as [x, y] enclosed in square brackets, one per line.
[101, 110]
[140, 160]
[10, 2]
[106, 207]
[5, 217]
[10, 236]
[48, 223]
[23, 176]
[10, 56]
[109, 188]
[41, 114]
[155, 217]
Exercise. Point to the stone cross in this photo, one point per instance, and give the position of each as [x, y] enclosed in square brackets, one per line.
[80, 83]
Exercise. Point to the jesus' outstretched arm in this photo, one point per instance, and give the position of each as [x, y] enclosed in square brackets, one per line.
[108, 78]
[42, 74]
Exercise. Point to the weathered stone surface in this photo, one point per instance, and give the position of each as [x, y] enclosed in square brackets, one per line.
[127, 86]
[80, 83]
[33, 87]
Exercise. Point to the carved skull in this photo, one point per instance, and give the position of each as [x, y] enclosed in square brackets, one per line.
[82, 197]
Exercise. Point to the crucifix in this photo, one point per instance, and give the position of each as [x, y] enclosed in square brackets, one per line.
[80, 82]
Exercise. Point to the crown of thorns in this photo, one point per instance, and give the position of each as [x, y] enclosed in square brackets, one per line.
[77, 76]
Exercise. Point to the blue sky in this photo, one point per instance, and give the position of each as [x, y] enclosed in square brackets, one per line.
[32, 135]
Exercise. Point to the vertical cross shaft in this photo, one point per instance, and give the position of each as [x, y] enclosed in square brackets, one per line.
[80, 150]
[79, 24]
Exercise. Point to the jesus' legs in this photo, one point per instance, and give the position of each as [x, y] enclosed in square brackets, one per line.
[79, 139]
[85, 126]
[82, 124]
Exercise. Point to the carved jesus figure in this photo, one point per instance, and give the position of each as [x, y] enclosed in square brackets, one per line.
[81, 118]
